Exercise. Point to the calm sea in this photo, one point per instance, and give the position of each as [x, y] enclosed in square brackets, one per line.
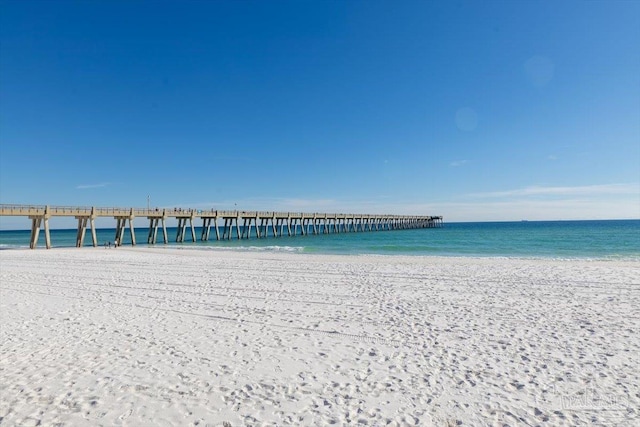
[615, 239]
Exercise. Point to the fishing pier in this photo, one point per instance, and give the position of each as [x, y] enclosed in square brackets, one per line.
[245, 223]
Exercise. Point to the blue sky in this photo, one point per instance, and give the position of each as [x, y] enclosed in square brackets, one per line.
[473, 110]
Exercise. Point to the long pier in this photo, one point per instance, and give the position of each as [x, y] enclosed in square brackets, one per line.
[245, 223]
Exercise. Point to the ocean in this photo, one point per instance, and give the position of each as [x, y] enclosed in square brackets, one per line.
[612, 239]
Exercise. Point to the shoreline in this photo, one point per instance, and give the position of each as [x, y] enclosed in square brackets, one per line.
[299, 250]
[271, 338]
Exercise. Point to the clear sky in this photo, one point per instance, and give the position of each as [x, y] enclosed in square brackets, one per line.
[496, 110]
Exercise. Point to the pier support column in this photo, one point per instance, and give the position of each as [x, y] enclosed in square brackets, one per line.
[230, 233]
[182, 228]
[193, 230]
[82, 228]
[245, 225]
[215, 224]
[258, 227]
[132, 231]
[94, 236]
[206, 227]
[121, 223]
[122, 227]
[152, 238]
[47, 234]
[253, 221]
[228, 228]
[117, 238]
[203, 232]
[36, 223]
[152, 225]
[164, 228]
[35, 231]
[250, 223]
[155, 231]
[117, 235]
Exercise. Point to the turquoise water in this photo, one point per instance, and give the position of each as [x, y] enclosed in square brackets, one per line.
[615, 239]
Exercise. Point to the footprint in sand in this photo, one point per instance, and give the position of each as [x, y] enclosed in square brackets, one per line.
[125, 415]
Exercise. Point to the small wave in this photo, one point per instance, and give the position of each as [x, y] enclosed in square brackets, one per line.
[290, 249]
[10, 246]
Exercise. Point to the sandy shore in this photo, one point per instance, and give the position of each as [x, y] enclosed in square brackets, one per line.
[137, 337]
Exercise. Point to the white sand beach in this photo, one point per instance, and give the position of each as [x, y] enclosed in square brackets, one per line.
[157, 336]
